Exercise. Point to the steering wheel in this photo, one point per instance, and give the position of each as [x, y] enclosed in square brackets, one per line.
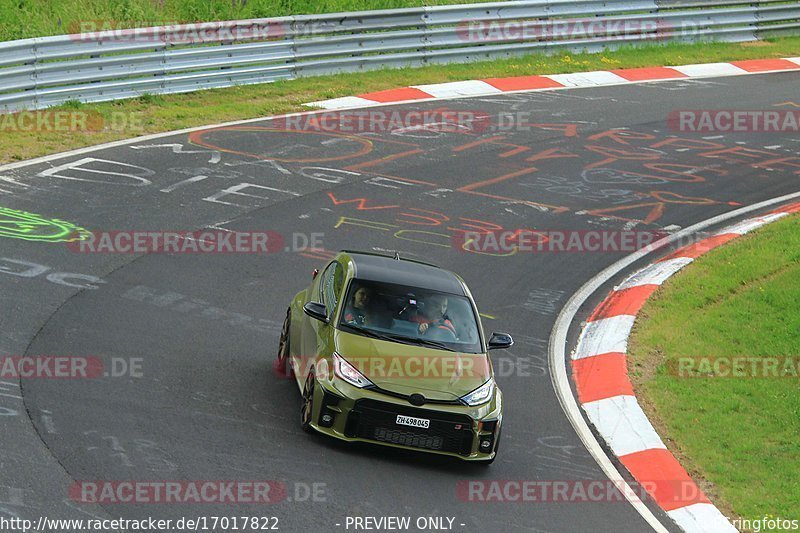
[443, 334]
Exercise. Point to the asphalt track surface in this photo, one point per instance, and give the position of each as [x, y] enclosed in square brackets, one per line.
[208, 406]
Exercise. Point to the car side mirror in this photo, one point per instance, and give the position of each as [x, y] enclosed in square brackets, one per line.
[314, 273]
[316, 310]
[500, 341]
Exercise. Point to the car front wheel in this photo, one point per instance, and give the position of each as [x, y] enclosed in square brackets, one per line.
[307, 409]
[283, 366]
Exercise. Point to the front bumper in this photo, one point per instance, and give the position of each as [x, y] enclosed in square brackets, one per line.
[362, 415]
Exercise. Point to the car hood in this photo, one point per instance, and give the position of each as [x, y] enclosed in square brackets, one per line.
[408, 369]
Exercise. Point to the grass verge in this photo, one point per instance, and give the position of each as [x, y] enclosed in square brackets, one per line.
[20, 19]
[154, 114]
[740, 434]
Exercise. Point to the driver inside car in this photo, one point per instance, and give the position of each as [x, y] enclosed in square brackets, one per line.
[434, 319]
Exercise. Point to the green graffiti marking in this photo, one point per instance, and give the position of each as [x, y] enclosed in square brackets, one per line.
[32, 227]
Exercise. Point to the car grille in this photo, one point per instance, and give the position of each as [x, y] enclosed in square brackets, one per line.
[374, 420]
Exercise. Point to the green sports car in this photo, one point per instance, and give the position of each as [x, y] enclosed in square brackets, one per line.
[391, 351]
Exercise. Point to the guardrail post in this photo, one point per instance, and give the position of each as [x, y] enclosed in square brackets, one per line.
[548, 30]
[292, 37]
[166, 46]
[757, 19]
[35, 75]
[425, 19]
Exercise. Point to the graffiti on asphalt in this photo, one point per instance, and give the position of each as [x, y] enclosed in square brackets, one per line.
[26, 226]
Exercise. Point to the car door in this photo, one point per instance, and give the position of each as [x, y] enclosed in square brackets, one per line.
[317, 335]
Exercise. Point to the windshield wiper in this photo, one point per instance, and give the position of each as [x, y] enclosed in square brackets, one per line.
[422, 342]
[398, 338]
[368, 332]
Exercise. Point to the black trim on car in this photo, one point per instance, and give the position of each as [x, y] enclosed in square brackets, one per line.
[376, 421]
[407, 397]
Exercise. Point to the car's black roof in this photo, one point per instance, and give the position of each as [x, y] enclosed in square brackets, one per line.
[374, 267]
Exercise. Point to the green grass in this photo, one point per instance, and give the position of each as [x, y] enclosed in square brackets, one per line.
[739, 434]
[20, 19]
[156, 114]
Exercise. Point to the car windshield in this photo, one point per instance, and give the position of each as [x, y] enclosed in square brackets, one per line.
[410, 315]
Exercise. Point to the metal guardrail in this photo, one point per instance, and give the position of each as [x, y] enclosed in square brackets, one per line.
[110, 64]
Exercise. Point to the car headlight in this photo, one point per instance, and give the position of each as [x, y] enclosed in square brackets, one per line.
[480, 395]
[348, 372]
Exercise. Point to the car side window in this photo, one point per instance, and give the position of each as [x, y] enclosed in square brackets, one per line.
[323, 281]
[331, 286]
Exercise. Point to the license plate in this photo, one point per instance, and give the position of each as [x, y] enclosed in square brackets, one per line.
[413, 422]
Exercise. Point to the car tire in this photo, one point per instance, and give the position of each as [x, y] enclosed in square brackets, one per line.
[307, 407]
[283, 365]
